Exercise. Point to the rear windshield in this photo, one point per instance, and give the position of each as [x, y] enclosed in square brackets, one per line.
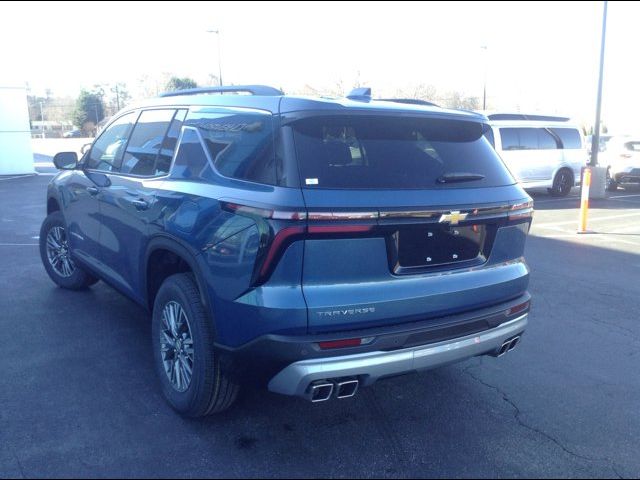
[363, 152]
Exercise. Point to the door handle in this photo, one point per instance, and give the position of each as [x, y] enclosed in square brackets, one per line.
[93, 190]
[140, 204]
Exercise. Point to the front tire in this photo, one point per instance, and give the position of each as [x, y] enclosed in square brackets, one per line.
[562, 184]
[56, 255]
[192, 378]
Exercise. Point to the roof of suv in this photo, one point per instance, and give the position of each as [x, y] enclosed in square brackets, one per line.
[283, 104]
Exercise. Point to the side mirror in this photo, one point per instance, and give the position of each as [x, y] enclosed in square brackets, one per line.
[85, 147]
[66, 160]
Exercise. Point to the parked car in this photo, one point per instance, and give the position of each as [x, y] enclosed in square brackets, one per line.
[542, 152]
[308, 245]
[73, 134]
[622, 159]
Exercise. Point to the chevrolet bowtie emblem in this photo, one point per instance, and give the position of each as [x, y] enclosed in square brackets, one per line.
[453, 218]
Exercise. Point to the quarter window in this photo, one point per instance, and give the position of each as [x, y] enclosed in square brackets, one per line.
[240, 144]
[106, 152]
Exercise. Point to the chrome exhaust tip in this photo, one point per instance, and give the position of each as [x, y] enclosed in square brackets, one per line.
[319, 391]
[346, 388]
[513, 343]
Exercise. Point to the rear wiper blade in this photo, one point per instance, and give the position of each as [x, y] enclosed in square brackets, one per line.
[459, 177]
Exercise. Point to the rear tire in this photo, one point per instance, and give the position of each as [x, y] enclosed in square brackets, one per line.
[192, 378]
[562, 184]
[57, 258]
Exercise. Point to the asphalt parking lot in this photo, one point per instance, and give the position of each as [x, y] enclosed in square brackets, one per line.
[79, 397]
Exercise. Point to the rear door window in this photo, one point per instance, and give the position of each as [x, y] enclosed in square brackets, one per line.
[546, 141]
[146, 142]
[369, 152]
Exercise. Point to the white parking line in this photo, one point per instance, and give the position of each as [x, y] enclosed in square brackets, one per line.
[18, 176]
[591, 219]
[18, 244]
[554, 200]
[625, 196]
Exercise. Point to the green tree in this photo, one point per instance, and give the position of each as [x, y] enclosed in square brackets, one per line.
[176, 83]
[89, 110]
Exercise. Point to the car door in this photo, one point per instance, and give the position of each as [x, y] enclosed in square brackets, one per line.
[85, 186]
[549, 157]
[128, 205]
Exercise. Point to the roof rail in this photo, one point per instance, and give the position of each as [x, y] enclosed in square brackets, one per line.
[523, 116]
[410, 101]
[261, 90]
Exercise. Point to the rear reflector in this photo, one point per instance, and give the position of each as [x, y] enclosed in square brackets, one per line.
[518, 308]
[351, 342]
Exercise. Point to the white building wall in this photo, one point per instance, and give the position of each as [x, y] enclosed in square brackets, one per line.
[16, 155]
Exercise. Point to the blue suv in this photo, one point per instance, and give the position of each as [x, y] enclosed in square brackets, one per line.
[309, 245]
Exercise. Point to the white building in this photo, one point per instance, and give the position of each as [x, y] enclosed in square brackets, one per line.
[16, 155]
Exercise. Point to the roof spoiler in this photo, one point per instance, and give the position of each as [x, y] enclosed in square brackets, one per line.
[362, 94]
[522, 116]
[261, 90]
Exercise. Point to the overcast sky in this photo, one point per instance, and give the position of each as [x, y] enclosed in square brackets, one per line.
[539, 56]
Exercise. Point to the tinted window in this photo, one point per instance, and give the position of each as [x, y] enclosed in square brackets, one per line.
[146, 141]
[546, 141]
[570, 137]
[528, 138]
[240, 144]
[163, 163]
[382, 153]
[510, 140]
[191, 160]
[107, 150]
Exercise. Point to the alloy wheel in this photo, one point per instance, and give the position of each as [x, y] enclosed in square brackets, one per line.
[58, 252]
[176, 346]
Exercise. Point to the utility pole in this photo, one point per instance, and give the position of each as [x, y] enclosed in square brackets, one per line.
[42, 119]
[595, 140]
[217, 32]
[484, 84]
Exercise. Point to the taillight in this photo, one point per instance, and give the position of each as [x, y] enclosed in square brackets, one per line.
[282, 227]
[521, 211]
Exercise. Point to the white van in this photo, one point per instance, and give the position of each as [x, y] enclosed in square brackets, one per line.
[541, 151]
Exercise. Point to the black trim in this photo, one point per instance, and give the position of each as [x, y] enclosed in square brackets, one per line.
[259, 360]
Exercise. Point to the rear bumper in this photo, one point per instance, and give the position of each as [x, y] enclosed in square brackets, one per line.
[371, 366]
[632, 176]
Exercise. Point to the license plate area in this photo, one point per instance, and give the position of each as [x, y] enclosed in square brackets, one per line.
[437, 245]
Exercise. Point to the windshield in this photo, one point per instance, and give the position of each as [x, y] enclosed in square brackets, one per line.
[365, 152]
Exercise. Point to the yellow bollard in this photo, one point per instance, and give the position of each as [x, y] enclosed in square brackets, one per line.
[584, 201]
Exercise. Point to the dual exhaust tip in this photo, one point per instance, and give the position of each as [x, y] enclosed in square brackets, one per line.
[507, 346]
[322, 390]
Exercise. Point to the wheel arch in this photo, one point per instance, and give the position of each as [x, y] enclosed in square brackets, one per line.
[185, 253]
